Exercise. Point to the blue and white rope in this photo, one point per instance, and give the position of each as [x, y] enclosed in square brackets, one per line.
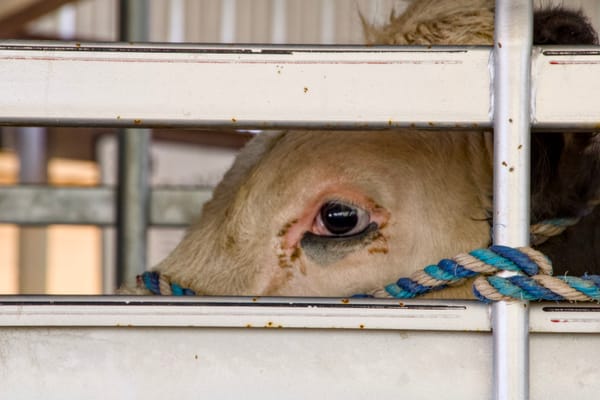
[534, 281]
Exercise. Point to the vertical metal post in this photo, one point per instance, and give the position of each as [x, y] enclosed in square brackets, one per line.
[512, 65]
[278, 22]
[228, 18]
[133, 191]
[328, 22]
[33, 266]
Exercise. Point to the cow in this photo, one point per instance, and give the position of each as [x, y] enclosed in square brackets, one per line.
[335, 213]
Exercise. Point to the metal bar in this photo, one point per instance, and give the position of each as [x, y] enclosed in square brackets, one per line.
[244, 312]
[31, 144]
[41, 205]
[106, 84]
[564, 81]
[511, 101]
[316, 313]
[132, 204]
[242, 86]
[134, 147]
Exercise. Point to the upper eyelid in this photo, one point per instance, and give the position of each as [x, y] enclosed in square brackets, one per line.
[345, 202]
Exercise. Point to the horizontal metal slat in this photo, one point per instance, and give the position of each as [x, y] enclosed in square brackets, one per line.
[239, 312]
[273, 312]
[242, 86]
[566, 87]
[43, 205]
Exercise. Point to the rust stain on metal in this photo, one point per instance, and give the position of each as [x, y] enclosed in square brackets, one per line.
[361, 326]
[305, 89]
[345, 301]
[234, 120]
[137, 121]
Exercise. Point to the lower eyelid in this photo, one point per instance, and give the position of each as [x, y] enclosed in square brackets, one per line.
[325, 250]
[347, 241]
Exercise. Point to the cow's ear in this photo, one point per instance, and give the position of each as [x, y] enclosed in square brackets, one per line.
[565, 180]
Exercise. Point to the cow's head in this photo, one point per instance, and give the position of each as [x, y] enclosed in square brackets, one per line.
[334, 213]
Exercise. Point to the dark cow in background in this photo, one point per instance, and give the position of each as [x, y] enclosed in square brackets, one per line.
[330, 213]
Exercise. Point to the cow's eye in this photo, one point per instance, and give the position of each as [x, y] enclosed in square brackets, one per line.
[340, 219]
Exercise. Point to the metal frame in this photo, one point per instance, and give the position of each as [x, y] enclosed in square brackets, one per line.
[274, 312]
[512, 115]
[74, 84]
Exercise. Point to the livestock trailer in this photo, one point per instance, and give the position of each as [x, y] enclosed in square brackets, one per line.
[222, 347]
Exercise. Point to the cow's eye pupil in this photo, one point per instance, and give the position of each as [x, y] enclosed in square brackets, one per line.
[338, 218]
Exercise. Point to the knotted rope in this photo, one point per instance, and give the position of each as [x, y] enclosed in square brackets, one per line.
[534, 280]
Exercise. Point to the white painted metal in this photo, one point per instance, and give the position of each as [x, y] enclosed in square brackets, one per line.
[273, 312]
[241, 312]
[131, 347]
[167, 363]
[243, 86]
[69, 84]
[149, 363]
[563, 77]
[513, 38]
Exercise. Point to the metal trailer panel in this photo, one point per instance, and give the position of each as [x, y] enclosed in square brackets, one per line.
[132, 347]
[216, 363]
